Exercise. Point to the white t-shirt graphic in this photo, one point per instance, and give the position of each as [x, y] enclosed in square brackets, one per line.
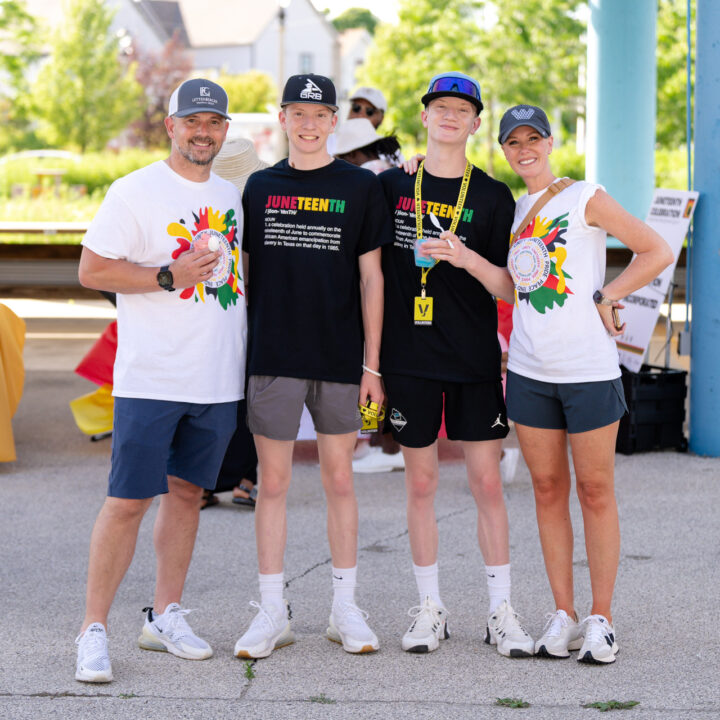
[187, 345]
[557, 263]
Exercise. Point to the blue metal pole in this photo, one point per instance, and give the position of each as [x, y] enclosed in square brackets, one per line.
[621, 104]
[705, 329]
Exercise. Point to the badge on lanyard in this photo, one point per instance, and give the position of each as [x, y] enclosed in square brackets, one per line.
[423, 313]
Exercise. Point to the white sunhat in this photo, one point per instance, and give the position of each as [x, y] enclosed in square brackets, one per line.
[354, 134]
[236, 161]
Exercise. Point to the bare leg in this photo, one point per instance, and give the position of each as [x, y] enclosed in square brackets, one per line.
[483, 468]
[335, 453]
[545, 452]
[594, 461]
[112, 546]
[421, 482]
[275, 460]
[174, 535]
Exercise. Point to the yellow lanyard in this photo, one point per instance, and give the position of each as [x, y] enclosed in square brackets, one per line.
[456, 214]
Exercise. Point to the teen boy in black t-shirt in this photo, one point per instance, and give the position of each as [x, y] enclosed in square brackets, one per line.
[312, 242]
[440, 348]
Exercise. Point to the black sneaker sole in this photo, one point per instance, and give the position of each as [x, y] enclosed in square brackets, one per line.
[418, 649]
[543, 653]
[516, 653]
[590, 660]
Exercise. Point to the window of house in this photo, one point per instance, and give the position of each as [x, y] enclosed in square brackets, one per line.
[306, 62]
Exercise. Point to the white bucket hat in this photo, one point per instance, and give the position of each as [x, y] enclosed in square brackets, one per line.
[236, 161]
[354, 134]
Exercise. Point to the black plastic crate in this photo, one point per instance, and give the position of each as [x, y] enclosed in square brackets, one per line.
[655, 398]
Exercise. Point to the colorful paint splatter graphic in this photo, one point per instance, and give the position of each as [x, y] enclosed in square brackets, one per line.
[225, 283]
[536, 261]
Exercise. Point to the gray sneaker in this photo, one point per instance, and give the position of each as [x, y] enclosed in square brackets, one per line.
[93, 661]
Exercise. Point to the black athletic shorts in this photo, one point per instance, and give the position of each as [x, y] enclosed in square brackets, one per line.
[473, 411]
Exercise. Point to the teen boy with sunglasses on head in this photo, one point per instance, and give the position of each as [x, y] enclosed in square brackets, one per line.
[440, 348]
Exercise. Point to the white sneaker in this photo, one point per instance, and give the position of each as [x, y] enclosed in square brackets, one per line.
[348, 627]
[428, 628]
[505, 631]
[170, 632]
[599, 645]
[509, 463]
[560, 635]
[270, 629]
[93, 661]
[376, 461]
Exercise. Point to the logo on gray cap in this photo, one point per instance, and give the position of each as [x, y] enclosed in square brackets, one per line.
[523, 113]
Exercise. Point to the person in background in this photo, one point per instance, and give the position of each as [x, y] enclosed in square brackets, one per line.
[166, 240]
[368, 103]
[563, 380]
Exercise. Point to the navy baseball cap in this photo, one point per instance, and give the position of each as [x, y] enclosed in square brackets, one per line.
[309, 88]
[196, 96]
[519, 115]
[454, 84]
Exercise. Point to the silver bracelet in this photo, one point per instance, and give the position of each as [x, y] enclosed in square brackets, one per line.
[372, 372]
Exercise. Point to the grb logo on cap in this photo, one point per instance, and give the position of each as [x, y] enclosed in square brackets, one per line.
[311, 91]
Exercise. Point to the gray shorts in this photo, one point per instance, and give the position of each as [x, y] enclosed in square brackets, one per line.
[575, 407]
[275, 406]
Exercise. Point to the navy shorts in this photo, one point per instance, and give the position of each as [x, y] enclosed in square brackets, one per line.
[473, 411]
[156, 438]
[575, 407]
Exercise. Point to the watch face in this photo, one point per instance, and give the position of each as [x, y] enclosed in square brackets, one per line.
[165, 279]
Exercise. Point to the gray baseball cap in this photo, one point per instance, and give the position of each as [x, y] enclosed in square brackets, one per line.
[519, 115]
[196, 96]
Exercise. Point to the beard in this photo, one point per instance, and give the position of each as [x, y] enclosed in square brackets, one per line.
[193, 155]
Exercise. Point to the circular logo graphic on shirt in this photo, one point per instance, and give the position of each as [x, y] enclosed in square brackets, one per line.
[529, 264]
[221, 271]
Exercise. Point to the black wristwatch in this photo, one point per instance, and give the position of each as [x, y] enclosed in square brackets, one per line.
[600, 299]
[165, 279]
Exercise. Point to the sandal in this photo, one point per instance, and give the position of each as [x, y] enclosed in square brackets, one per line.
[209, 498]
[249, 498]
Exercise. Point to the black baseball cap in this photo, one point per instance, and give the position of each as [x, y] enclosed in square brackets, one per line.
[309, 88]
[198, 95]
[519, 115]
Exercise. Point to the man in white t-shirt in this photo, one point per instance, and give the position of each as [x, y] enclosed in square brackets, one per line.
[166, 240]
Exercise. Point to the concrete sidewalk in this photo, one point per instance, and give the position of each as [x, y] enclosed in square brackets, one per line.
[666, 603]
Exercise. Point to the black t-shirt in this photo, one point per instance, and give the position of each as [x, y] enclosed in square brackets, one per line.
[461, 344]
[304, 231]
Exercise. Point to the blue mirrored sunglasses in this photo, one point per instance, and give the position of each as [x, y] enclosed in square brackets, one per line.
[455, 84]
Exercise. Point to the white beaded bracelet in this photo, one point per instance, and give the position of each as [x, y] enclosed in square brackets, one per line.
[372, 372]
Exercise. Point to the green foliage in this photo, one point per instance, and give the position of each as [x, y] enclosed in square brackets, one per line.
[529, 52]
[322, 699]
[95, 171]
[612, 705]
[249, 670]
[84, 96]
[356, 17]
[249, 92]
[512, 703]
[672, 71]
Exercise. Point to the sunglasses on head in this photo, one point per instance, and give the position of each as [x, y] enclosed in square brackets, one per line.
[455, 84]
[369, 111]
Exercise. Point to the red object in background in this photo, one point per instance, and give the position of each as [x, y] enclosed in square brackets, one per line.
[97, 365]
[505, 324]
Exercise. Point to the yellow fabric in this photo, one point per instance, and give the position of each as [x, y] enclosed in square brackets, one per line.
[93, 412]
[12, 377]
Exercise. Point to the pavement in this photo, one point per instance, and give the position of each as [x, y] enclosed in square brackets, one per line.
[666, 602]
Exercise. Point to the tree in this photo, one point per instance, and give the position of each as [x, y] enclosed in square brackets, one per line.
[249, 92]
[159, 74]
[671, 128]
[18, 35]
[84, 95]
[356, 18]
[520, 51]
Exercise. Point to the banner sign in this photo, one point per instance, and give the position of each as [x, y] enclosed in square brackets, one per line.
[670, 214]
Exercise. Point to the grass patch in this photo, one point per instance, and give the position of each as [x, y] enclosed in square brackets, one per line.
[323, 699]
[249, 670]
[612, 705]
[127, 696]
[512, 703]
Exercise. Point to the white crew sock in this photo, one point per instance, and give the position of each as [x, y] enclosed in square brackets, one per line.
[344, 581]
[426, 577]
[271, 590]
[498, 581]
